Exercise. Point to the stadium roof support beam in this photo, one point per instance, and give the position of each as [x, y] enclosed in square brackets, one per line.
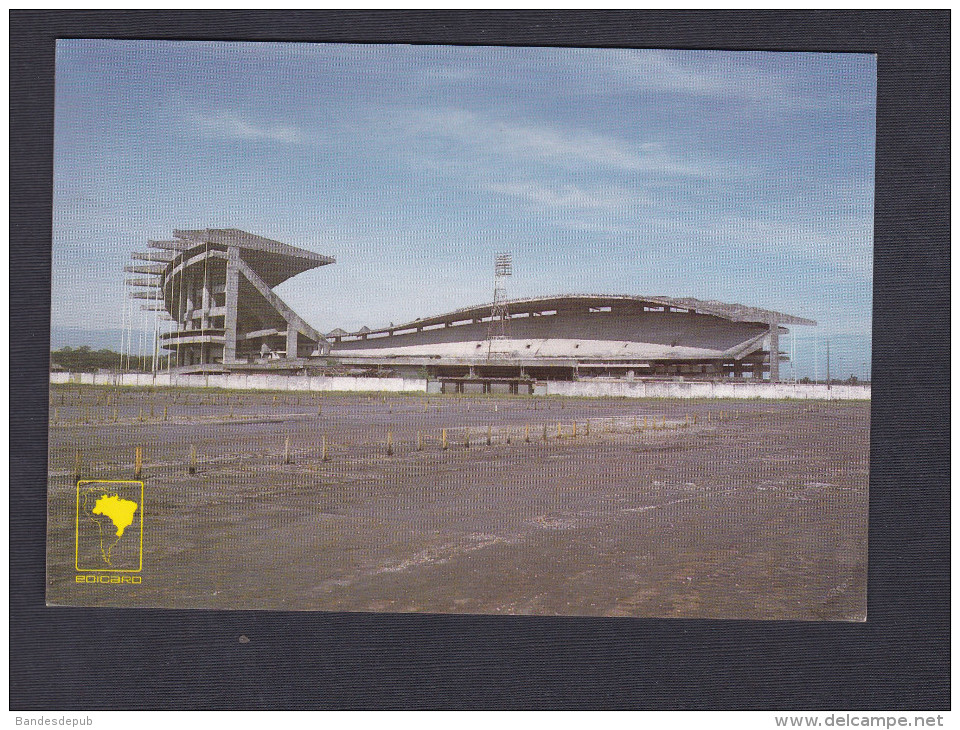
[774, 353]
[294, 322]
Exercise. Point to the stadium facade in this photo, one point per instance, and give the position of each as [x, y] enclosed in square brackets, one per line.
[216, 286]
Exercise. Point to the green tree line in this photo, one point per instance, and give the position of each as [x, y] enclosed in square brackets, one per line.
[86, 360]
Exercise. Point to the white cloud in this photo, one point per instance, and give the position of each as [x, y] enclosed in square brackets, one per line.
[545, 144]
[697, 73]
[564, 196]
[231, 126]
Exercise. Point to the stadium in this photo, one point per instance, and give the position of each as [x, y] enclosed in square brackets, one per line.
[215, 288]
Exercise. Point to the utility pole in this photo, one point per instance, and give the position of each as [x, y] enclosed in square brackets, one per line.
[828, 363]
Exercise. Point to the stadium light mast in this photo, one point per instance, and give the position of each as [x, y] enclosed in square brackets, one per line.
[499, 314]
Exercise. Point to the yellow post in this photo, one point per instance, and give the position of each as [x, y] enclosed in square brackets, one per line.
[138, 463]
[443, 439]
[389, 443]
[286, 450]
[164, 413]
[526, 433]
[140, 417]
[192, 467]
[151, 409]
[319, 408]
[664, 424]
[323, 449]
[559, 432]
[574, 429]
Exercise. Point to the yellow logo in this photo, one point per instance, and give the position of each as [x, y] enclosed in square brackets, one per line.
[109, 526]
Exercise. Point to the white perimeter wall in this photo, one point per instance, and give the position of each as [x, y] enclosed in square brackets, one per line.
[626, 389]
[241, 381]
[616, 389]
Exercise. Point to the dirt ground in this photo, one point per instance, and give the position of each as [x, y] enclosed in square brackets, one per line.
[667, 508]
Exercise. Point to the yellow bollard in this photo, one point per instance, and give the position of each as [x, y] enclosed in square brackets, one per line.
[574, 429]
[559, 432]
[140, 417]
[319, 409]
[443, 439]
[151, 409]
[192, 466]
[526, 433]
[138, 463]
[389, 443]
[164, 413]
[323, 449]
[286, 450]
[664, 424]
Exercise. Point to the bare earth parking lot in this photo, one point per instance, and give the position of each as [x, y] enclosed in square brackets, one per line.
[669, 508]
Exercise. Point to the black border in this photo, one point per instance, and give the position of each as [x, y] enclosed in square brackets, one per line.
[63, 658]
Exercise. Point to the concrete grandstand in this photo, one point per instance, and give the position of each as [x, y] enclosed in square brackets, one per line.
[216, 286]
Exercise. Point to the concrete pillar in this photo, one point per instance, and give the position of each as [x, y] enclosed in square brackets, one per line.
[205, 295]
[230, 318]
[774, 353]
[188, 315]
[291, 341]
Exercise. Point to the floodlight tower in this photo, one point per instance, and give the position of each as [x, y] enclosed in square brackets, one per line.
[499, 314]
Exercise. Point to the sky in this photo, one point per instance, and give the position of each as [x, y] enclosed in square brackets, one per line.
[742, 177]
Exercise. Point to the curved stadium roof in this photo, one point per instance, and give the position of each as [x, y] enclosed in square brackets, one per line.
[732, 312]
